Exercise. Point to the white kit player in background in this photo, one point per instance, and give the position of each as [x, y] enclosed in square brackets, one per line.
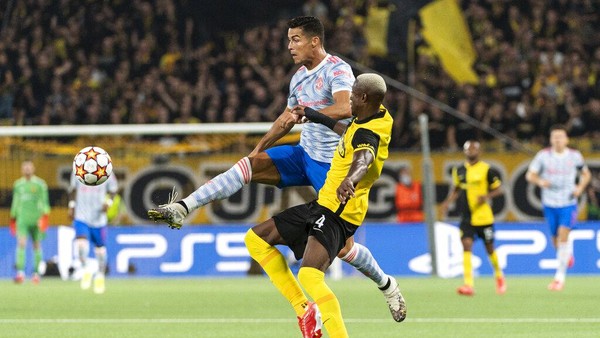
[555, 171]
[87, 208]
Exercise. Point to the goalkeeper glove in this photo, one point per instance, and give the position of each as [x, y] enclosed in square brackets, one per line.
[13, 226]
[43, 223]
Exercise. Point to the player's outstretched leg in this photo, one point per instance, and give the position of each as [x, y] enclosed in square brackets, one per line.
[220, 187]
[360, 257]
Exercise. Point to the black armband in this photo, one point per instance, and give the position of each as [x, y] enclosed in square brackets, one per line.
[315, 116]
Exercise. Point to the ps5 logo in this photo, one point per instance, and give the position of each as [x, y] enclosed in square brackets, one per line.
[146, 246]
[515, 243]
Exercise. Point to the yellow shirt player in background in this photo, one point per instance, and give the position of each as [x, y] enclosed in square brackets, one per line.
[29, 218]
[317, 231]
[475, 183]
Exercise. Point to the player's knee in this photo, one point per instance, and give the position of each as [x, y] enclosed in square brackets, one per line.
[254, 243]
[101, 250]
[81, 242]
[309, 276]
[346, 249]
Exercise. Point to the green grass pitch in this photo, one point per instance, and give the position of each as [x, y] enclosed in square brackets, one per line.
[251, 307]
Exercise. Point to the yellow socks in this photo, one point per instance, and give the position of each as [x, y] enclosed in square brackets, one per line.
[274, 264]
[468, 268]
[494, 261]
[313, 281]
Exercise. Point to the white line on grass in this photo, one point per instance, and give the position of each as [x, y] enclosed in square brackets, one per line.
[276, 320]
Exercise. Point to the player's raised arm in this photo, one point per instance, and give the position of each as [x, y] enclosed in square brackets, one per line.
[284, 123]
[315, 116]
[340, 109]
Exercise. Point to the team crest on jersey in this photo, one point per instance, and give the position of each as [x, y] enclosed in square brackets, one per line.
[319, 83]
[341, 147]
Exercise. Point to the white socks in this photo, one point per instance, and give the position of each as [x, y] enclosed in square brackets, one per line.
[221, 186]
[361, 258]
[563, 255]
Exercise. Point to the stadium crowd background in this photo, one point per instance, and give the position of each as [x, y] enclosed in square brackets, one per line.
[96, 62]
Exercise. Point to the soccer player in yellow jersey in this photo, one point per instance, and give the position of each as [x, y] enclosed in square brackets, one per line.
[317, 231]
[475, 183]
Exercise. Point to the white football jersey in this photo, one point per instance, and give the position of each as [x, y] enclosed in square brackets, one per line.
[315, 88]
[90, 199]
[561, 171]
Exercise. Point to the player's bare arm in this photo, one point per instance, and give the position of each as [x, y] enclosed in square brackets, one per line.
[452, 196]
[584, 179]
[284, 123]
[340, 109]
[533, 177]
[360, 164]
[490, 195]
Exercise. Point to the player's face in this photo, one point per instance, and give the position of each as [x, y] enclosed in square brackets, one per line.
[299, 45]
[559, 140]
[357, 99]
[472, 150]
[27, 168]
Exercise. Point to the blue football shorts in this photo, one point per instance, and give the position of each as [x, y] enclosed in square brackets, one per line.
[96, 236]
[296, 168]
[563, 216]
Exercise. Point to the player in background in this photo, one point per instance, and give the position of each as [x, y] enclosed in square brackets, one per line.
[29, 218]
[318, 230]
[87, 208]
[555, 170]
[475, 183]
[323, 82]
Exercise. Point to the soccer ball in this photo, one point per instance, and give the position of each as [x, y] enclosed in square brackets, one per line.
[92, 166]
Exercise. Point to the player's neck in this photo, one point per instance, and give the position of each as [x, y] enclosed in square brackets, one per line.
[317, 58]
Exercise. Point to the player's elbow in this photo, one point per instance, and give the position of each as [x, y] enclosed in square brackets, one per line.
[530, 177]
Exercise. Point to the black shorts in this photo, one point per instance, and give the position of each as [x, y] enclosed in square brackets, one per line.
[485, 232]
[297, 223]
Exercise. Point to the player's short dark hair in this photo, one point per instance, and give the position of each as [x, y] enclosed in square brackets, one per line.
[559, 127]
[311, 25]
[471, 141]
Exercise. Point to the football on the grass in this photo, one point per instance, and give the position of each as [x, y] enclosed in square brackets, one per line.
[92, 166]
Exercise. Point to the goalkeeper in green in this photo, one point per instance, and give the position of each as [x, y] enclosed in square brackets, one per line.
[29, 217]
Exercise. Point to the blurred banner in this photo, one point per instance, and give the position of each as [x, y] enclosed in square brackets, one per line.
[446, 31]
[146, 182]
[196, 251]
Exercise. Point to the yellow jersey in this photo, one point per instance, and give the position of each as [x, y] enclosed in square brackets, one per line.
[475, 180]
[371, 134]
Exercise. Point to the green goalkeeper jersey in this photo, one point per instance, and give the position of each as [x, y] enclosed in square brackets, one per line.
[30, 200]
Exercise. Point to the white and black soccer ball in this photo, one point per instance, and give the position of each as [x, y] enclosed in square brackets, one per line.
[92, 166]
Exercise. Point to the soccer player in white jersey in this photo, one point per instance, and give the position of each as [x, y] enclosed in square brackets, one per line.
[323, 82]
[87, 208]
[555, 171]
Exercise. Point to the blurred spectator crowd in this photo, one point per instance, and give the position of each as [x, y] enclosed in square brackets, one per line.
[115, 61]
